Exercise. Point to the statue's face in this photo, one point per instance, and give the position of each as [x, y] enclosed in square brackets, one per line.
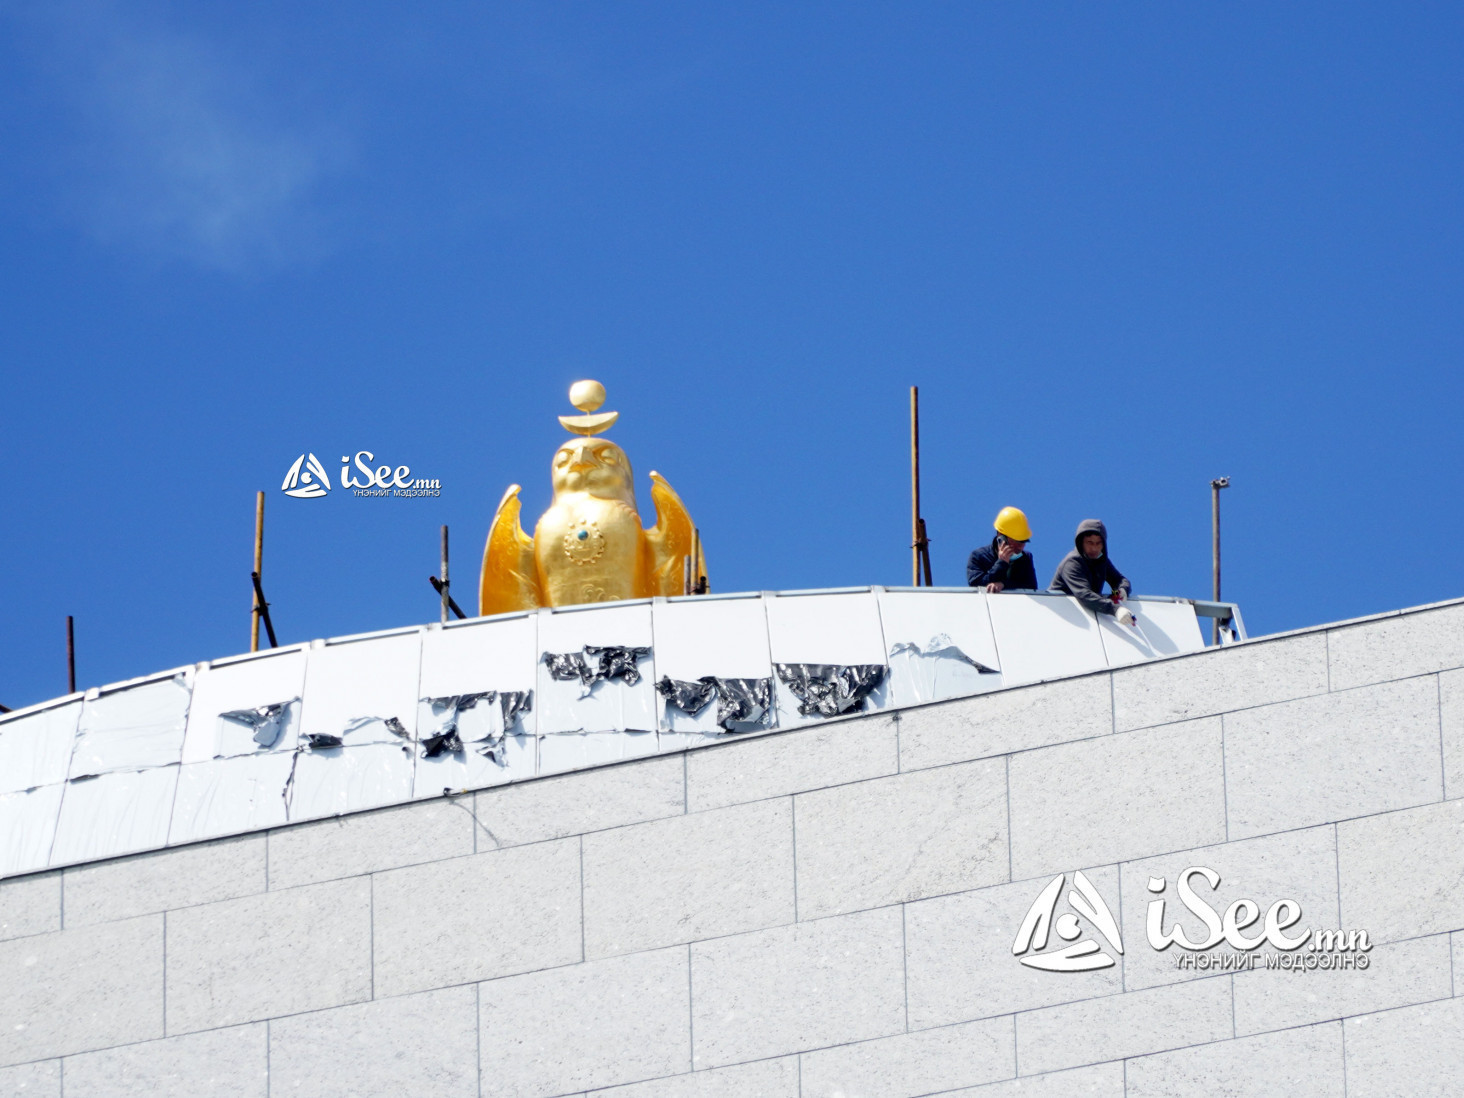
[593, 465]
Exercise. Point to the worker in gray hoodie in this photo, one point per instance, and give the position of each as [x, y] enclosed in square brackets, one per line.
[1083, 572]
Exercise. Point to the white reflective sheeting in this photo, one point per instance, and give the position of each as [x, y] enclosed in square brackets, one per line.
[1043, 637]
[836, 629]
[576, 750]
[36, 749]
[726, 638]
[610, 705]
[247, 684]
[350, 779]
[927, 637]
[230, 796]
[494, 655]
[1164, 629]
[366, 678]
[27, 828]
[470, 769]
[113, 814]
[132, 729]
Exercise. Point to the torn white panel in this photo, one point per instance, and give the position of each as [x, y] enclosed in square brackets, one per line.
[352, 690]
[472, 769]
[1162, 629]
[841, 630]
[238, 686]
[1043, 637]
[724, 638]
[606, 705]
[939, 645]
[133, 728]
[27, 828]
[501, 655]
[230, 796]
[35, 750]
[117, 813]
[577, 750]
[349, 779]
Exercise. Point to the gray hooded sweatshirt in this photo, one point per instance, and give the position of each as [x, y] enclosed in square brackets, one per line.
[1083, 578]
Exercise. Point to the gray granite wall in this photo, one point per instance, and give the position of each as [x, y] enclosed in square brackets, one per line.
[811, 913]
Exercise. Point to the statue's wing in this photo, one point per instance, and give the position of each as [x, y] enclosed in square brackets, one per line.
[510, 580]
[670, 540]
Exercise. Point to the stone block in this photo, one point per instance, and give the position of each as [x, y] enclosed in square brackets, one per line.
[181, 877]
[1332, 757]
[686, 878]
[903, 837]
[30, 905]
[1117, 798]
[367, 842]
[1299, 1063]
[1295, 865]
[1220, 681]
[572, 804]
[83, 989]
[1399, 872]
[1119, 1026]
[1417, 1051]
[1451, 725]
[220, 1063]
[1005, 721]
[257, 957]
[1399, 974]
[763, 1078]
[798, 987]
[911, 1064]
[618, 1020]
[477, 917]
[1457, 951]
[422, 1045]
[958, 955]
[1097, 1081]
[791, 762]
[37, 1080]
[1416, 642]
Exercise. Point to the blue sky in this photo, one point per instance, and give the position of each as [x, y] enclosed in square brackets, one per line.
[1121, 248]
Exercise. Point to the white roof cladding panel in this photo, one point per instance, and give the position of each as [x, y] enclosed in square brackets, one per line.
[838, 628]
[230, 796]
[471, 769]
[134, 728]
[338, 780]
[1044, 637]
[608, 705]
[28, 828]
[727, 638]
[36, 749]
[239, 685]
[355, 680]
[925, 640]
[490, 655]
[119, 813]
[1164, 629]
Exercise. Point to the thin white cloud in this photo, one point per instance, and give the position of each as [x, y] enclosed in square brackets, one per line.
[180, 148]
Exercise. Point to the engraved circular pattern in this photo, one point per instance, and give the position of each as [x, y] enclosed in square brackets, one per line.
[584, 544]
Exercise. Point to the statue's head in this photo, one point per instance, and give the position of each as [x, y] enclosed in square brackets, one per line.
[595, 466]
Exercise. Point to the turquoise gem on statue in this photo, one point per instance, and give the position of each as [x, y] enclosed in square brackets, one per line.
[583, 534]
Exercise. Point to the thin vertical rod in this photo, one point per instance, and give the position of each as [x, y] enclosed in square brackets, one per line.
[915, 485]
[445, 581]
[70, 656]
[1215, 546]
[258, 568]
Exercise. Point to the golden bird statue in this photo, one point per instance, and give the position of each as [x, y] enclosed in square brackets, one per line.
[589, 546]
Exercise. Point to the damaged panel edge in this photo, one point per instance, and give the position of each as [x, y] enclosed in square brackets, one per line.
[742, 704]
[827, 690]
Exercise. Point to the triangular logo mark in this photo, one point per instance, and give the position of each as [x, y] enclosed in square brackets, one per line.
[308, 483]
[1081, 955]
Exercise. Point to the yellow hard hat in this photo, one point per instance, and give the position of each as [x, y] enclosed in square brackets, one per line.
[1011, 523]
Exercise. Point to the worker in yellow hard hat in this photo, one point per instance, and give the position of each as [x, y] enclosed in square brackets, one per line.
[1005, 564]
